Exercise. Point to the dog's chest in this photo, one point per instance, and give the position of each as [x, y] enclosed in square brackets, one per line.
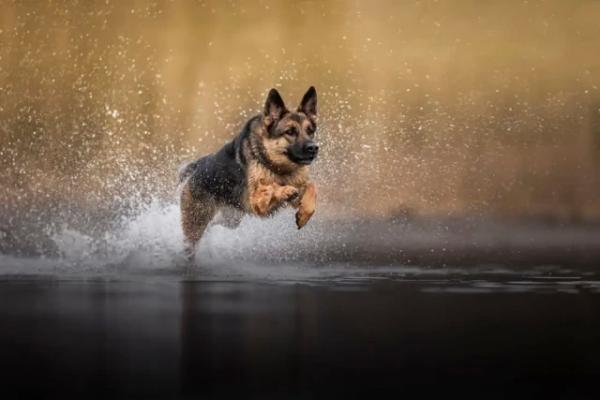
[258, 174]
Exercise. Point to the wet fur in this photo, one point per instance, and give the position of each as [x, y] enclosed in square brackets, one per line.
[252, 174]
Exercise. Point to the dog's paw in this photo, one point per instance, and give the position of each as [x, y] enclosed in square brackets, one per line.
[289, 193]
[302, 217]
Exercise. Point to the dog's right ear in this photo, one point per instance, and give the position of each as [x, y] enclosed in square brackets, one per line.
[308, 105]
[274, 107]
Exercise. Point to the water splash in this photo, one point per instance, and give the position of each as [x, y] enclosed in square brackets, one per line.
[152, 239]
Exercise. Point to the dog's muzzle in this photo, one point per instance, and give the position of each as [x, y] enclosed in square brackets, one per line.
[304, 153]
[310, 149]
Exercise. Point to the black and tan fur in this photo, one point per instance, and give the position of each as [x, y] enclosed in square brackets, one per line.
[261, 170]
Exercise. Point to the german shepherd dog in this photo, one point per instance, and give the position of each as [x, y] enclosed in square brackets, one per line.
[261, 170]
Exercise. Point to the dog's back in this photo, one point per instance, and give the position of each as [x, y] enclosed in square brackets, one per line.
[186, 170]
[217, 176]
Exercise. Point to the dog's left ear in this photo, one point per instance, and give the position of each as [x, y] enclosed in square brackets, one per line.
[308, 105]
[274, 107]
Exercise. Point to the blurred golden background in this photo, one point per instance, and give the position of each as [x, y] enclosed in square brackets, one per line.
[429, 107]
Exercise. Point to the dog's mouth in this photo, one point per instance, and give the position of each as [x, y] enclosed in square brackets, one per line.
[302, 160]
[306, 161]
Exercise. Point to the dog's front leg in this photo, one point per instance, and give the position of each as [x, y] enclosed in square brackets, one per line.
[284, 193]
[307, 205]
[265, 198]
[260, 199]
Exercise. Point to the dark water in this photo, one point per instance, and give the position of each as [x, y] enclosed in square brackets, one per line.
[365, 333]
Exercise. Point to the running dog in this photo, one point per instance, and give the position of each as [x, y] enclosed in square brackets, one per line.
[262, 170]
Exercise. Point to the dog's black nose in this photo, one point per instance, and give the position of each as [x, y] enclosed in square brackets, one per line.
[311, 148]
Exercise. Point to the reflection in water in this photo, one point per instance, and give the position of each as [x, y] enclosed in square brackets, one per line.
[168, 339]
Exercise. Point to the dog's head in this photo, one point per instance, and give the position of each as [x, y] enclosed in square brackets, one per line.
[289, 136]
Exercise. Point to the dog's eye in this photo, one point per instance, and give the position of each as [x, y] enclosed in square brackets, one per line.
[291, 132]
[310, 131]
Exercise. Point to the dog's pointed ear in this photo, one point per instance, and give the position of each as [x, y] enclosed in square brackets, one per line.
[274, 106]
[308, 105]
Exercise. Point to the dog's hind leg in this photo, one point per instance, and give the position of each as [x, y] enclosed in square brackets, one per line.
[228, 217]
[196, 214]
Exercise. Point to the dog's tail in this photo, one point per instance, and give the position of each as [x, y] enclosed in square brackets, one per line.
[185, 170]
